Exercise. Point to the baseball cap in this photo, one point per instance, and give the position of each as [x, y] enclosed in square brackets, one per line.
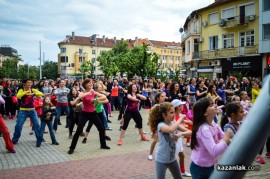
[177, 102]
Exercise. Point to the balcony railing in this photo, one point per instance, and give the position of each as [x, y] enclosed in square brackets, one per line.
[230, 52]
[236, 21]
[190, 32]
[195, 55]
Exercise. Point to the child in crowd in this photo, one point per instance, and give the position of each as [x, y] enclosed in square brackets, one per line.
[186, 122]
[160, 120]
[208, 141]
[5, 132]
[38, 102]
[185, 132]
[48, 110]
[159, 99]
[235, 112]
[190, 112]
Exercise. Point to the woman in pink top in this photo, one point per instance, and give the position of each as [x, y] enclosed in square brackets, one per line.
[89, 114]
[207, 140]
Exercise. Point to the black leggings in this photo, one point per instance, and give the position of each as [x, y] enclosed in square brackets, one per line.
[93, 119]
[73, 119]
[100, 116]
[136, 117]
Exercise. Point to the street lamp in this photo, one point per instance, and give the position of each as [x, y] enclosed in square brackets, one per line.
[96, 35]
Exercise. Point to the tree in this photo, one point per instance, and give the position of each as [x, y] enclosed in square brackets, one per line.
[50, 70]
[87, 67]
[10, 67]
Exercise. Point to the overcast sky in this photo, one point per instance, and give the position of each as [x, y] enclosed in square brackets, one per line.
[23, 23]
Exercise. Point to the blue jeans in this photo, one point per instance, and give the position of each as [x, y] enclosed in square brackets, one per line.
[199, 172]
[50, 126]
[22, 116]
[105, 121]
[173, 167]
[58, 113]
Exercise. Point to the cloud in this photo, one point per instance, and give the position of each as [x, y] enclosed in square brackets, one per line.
[25, 22]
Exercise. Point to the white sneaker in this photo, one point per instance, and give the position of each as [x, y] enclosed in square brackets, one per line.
[144, 132]
[188, 144]
[150, 157]
[186, 174]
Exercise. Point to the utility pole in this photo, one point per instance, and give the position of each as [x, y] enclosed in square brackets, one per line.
[40, 69]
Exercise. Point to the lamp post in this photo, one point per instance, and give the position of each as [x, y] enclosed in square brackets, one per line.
[96, 35]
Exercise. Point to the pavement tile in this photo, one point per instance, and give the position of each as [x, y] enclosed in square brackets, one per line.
[128, 161]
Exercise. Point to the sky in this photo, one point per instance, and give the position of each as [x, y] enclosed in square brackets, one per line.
[25, 23]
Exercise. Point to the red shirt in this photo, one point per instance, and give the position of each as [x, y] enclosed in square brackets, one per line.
[88, 105]
[38, 106]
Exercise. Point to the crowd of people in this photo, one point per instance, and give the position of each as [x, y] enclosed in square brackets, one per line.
[205, 113]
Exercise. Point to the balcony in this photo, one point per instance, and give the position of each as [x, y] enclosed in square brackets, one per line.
[236, 21]
[195, 55]
[231, 52]
[190, 32]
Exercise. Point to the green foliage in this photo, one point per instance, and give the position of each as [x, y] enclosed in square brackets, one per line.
[50, 70]
[135, 61]
[87, 67]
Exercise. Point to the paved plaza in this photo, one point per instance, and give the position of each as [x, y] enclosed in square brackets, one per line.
[128, 161]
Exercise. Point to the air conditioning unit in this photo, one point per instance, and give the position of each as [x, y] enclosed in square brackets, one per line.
[251, 18]
[200, 39]
[222, 23]
[211, 64]
[204, 23]
[217, 62]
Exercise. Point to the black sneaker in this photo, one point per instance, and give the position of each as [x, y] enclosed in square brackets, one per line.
[59, 123]
[105, 147]
[82, 134]
[84, 140]
[55, 143]
[107, 138]
[109, 121]
[38, 145]
[70, 151]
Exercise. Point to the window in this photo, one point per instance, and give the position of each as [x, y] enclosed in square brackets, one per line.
[266, 5]
[266, 32]
[63, 50]
[228, 41]
[247, 38]
[161, 51]
[213, 18]
[188, 47]
[246, 10]
[80, 51]
[213, 43]
[228, 14]
[63, 58]
[93, 52]
[164, 51]
[195, 26]
[93, 60]
[81, 59]
[72, 64]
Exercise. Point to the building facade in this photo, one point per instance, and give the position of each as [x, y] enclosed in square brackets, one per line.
[226, 42]
[264, 34]
[74, 50]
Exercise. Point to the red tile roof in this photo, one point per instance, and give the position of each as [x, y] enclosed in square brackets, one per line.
[165, 44]
[109, 43]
